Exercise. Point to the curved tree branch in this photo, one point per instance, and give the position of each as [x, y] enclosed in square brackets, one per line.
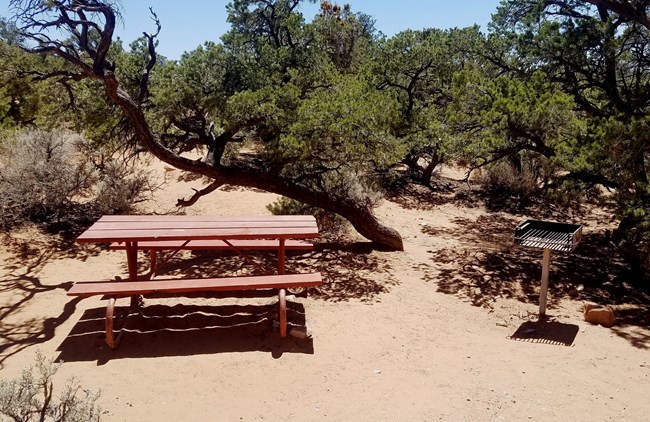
[182, 202]
[634, 10]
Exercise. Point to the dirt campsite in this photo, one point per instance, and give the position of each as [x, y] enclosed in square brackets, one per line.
[445, 330]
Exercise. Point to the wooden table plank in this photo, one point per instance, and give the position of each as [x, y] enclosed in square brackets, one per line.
[135, 228]
[154, 225]
[192, 234]
[251, 218]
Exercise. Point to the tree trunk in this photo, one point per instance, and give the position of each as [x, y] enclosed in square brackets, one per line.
[367, 224]
[428, 171]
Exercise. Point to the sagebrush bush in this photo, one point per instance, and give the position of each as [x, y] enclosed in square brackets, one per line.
[39, 175]
[47, 176]
[502, 178]
[329, 224]
[31, 397]
[120, 187]
[536, 179]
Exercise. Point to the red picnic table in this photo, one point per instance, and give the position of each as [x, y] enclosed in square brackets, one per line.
[179, 232]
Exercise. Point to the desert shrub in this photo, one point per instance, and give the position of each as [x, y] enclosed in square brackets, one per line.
[537, 180]
[330, 225]
[503, 179]
[121, 185]
[38, 176]
[30, 397]
[55, 176]
[633, 237]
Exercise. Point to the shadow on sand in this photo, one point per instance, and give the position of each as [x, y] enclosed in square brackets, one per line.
[19, 281]
[183, 330]
[350, 271]
[546, 332]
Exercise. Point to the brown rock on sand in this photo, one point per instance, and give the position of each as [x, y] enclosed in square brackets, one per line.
[598, 314]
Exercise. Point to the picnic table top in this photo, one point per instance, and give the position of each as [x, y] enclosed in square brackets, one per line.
[134, 228]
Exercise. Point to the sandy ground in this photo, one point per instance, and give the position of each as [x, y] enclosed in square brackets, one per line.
[445, 330]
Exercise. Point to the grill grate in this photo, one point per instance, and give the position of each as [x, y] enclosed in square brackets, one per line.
[548, 235]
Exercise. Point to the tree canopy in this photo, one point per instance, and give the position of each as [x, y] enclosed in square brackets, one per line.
[320, 110]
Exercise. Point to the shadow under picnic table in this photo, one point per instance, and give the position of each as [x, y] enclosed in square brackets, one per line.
[183, 330]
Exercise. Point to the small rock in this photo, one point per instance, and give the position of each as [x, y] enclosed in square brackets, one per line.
[377, 371]
[300, 332]
[597, 314]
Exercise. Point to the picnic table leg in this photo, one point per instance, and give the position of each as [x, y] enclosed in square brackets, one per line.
[110, 309]
[281, 256]
[283, 313]
[282, 293]
[132, 263]
[111, 340]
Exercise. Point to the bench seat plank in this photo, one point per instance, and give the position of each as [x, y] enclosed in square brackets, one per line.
[282, 281]
[216, 244]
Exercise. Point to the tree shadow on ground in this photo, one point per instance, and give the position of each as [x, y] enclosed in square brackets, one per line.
[350, 271]
[20, 283]
[184, 330]
[28, 253]
[418, 196]
[487, 265]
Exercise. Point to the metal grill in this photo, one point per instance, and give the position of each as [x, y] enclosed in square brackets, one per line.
[548, 235]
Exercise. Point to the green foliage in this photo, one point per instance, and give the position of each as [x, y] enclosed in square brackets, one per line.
[31, 397]
[557, 95]
[418, 67]
[348, 123]
[503, 117]
[330, 225]
[345, 37]
[601, 60]
[266, 40]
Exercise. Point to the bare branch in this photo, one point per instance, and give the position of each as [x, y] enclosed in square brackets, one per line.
[151, 46]
[634, 10]
[182, 202]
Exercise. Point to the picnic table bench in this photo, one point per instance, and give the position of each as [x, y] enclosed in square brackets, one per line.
[175, 233]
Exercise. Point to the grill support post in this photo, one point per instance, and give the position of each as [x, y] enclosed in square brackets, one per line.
[546, 262]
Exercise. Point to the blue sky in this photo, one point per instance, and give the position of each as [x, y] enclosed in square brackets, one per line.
[187, 24]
